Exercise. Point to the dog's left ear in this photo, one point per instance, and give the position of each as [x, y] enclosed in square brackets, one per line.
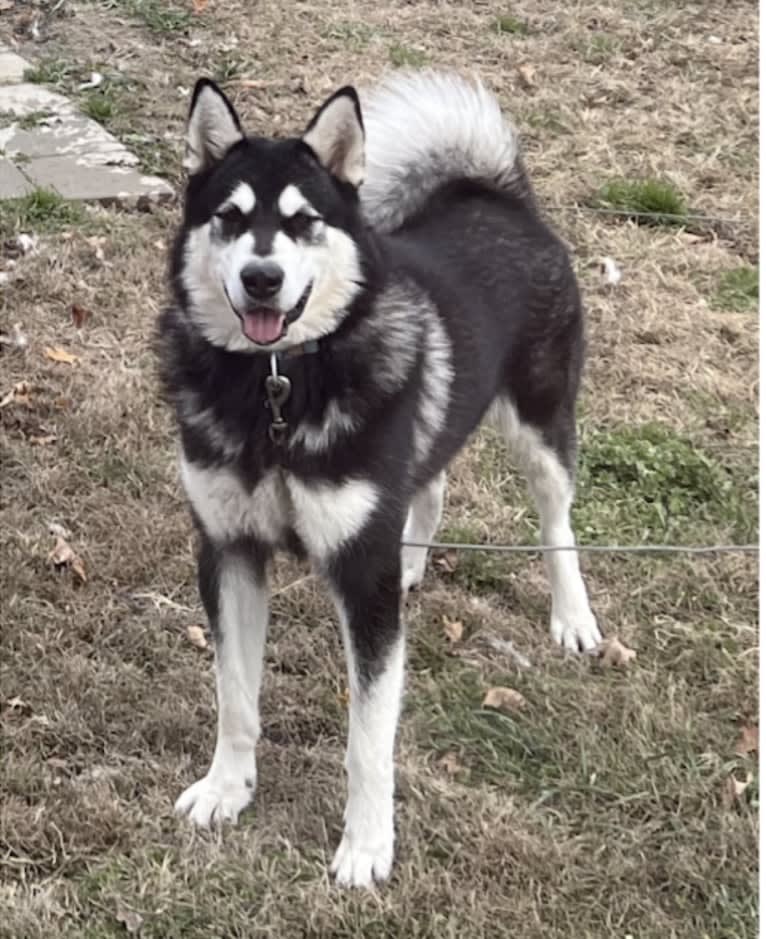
[212, 129]
[336, 135]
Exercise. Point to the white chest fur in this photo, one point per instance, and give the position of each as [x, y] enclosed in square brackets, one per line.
[323, 515]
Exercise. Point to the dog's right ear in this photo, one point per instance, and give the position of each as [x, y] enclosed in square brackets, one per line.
[212, 129]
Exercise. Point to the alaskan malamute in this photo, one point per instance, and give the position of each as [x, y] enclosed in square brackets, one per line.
[349, 305]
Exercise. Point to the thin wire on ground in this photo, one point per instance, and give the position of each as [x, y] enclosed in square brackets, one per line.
[589, 548]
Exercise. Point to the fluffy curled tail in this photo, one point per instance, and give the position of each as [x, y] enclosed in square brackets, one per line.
[424, 129]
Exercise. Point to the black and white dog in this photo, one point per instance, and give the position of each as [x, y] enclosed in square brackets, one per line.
[349, 305]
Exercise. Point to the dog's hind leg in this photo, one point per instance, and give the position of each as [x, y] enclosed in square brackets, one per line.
[234, 591]
[551, 482]
[422, 523]
[366, 585]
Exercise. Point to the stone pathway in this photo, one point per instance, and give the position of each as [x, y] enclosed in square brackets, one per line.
[46, 142]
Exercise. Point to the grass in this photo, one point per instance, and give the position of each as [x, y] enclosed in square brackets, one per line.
[647, 483]
[509, 24]
[649, 197]
[42, 210]
[600, 809]
[157, 16]
[599, 48]
[738, 290]
[50, 71]
[100, 106]
[402, 56]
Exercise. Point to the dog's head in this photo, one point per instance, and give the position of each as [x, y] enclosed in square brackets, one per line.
[269, 256]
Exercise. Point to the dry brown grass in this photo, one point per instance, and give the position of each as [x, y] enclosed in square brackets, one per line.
[600, 810]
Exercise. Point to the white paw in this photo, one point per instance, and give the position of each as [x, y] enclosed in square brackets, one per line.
[576, 634]
[359, 861]
[214, 800]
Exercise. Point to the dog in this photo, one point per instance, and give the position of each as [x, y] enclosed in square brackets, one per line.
[348, 306]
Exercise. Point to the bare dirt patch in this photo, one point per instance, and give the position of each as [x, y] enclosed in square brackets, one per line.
[604, 807]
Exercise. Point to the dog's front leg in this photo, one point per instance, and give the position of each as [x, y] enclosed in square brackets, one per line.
[368, 592]
[234, 592]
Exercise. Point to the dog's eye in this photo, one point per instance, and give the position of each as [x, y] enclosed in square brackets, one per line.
[299, 225]
[229, 214]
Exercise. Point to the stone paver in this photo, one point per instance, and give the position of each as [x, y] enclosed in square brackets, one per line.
[47, 142]
[12, 183]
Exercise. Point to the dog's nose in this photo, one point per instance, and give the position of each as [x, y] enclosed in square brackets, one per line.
[262, 279]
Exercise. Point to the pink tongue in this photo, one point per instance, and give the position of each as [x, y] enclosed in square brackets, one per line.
[263, 326]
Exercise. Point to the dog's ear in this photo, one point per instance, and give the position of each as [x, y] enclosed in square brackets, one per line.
[213, 126]
[336, 135]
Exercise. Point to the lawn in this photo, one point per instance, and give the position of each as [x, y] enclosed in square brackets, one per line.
[608, 806]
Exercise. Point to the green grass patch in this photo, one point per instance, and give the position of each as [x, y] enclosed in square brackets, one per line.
[24, 121]
[157, 16]
[655, 198]
[599, 48]
[51, 71]
[511, 25]
[352, 34]
[402, 56]
[41, 211]
[647, 483]
[738, 290]
[100, 106]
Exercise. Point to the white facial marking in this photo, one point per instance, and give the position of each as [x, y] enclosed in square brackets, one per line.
[292, 200]
[230, 782]
[326, 515]
[328, 262]
[226, 510]
[366, 850]
[243, 198]
[573, 624]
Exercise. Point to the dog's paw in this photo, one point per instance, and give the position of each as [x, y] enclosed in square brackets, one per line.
[576, 634]
[360, 861]
[213, 801]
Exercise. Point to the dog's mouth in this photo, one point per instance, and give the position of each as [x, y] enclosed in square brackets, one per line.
[265, 325]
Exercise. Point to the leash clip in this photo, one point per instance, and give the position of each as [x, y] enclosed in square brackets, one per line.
[278, 390]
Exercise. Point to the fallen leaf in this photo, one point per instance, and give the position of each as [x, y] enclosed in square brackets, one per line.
[448, 561]
[344, 698]
[57, 354]
[450, 763]
[527, 75]
[19, 394]
[197, 637]
[80, 315]
[733, 789]
[748, 740]
[504, 699]
[612, 652]
[43, 440]
[453, 629]
[199, 6]
[63, 555]
[130, 920]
